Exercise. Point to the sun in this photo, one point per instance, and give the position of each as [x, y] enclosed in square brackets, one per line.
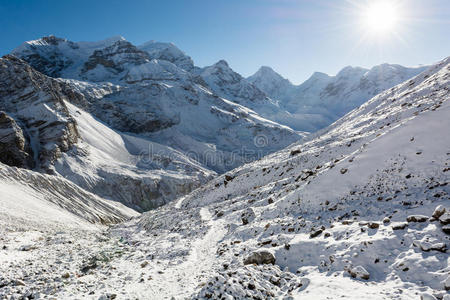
[380, 17]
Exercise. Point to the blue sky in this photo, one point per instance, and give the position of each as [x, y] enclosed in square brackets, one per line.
[294, 37]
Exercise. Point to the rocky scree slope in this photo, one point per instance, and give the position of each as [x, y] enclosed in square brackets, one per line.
[356, 211]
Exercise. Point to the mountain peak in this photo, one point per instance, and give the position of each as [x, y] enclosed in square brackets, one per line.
[222, 63]
[267, 73]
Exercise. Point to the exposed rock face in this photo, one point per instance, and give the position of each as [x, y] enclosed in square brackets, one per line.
[14, 147]
[115, 59]
[46, 57]
[38, 102]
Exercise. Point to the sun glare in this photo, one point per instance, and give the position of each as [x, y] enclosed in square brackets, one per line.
[380, 17]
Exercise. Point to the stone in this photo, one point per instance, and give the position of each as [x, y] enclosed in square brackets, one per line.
[426, 296]
[438, 212]
[417, 218]
[447, 283]
[427, 246]
[399, 226]
[373, 225]
[359, 272]
[260, 257]
[248, 216]
[446, 229]
[445, 218]
[315, 233]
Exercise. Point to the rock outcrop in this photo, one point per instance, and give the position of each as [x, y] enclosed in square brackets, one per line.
[38, 102]
[14, 146]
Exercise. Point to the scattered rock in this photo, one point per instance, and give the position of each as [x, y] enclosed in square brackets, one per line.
[427, 246]
[89, 265]
[426, 296]
[446, 229]
[18, 282]
[438, 212]
[65, 275]
[343, 170]
[27, 247]
[359, 272]
[399, 226]
[445, 218]
[315, 233]
[417, 218]
[386, 220]
[447, 283]
[295, 152]
[144, 264]
[228, 177]
[248, 216]
[260, 257]
[373, 225]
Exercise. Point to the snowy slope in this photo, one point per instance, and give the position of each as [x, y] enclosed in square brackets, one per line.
[33, 201]
[346, 213]
[360, 179]
[140, 173]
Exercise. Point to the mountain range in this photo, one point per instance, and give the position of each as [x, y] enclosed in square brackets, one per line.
[128, 172]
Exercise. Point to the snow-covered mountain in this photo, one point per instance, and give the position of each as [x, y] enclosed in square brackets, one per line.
[41, 129]
[360, 210]
[178, 132]
[322, 99]
[272, 83]
[357, 211]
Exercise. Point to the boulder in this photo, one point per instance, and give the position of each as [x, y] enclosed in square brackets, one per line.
[373, 225]
[315, 233]
[438, 212]
[417, 218]
[358, 272]
[399, 226]
[445, 218]
[260, 257]
[447, 283]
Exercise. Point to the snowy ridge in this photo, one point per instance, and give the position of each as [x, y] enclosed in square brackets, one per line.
[322, 99]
